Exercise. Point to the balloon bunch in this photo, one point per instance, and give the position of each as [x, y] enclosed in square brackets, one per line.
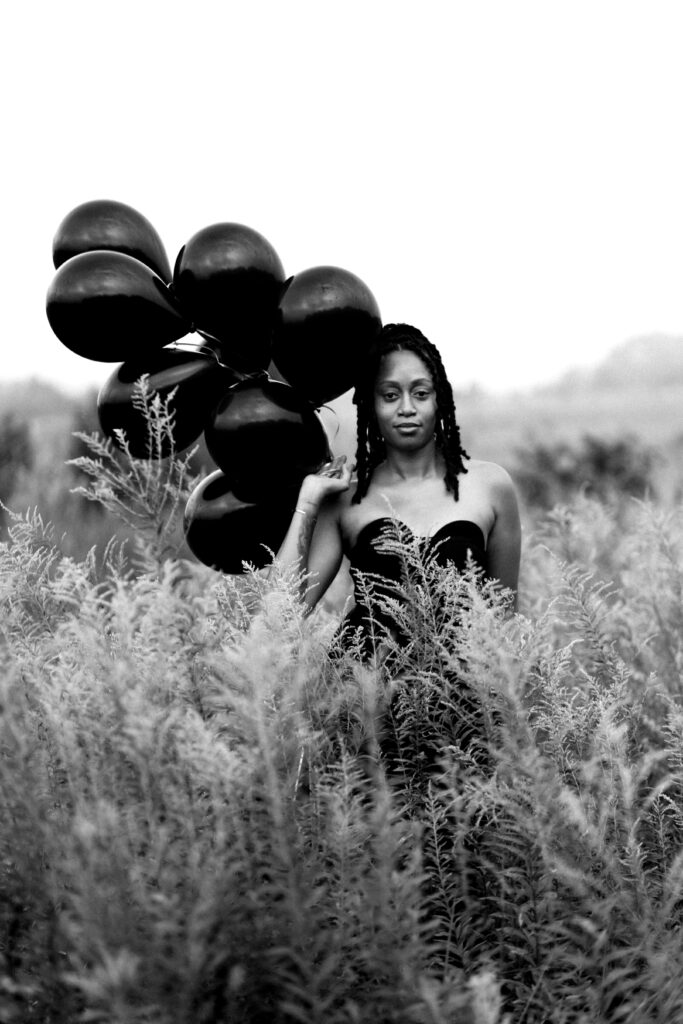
[115, 299]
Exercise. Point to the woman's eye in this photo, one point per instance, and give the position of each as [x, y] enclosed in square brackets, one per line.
[422, 394]
[389, 396]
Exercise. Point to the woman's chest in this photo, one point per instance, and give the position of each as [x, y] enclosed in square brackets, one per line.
[424, 511]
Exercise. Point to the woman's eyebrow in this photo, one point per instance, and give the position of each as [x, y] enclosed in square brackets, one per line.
[396, 384]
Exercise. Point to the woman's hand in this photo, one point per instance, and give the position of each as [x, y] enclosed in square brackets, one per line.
[331, 478]
[313, 543]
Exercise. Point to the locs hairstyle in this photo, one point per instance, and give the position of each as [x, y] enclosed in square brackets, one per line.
[370, 450]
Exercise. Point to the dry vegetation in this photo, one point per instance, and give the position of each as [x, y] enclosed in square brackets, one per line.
[209, 812]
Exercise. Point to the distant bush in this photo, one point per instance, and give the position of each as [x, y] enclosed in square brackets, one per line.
[16, 452]
[556, 473]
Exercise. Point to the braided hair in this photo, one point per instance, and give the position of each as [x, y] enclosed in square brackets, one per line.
[370, 449]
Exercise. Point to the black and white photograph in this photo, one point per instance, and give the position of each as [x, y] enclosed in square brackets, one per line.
[341, 513]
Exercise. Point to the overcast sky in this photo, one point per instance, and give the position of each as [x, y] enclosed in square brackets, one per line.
[506, 175]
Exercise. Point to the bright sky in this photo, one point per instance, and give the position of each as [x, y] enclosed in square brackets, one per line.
[506, 175]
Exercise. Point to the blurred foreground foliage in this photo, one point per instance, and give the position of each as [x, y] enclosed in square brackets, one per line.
[211, 811]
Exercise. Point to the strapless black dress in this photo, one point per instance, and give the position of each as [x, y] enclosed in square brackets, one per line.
[414, 726]
[378, 570]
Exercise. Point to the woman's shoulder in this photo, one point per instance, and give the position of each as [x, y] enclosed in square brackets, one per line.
[487, 470]
[491, 477]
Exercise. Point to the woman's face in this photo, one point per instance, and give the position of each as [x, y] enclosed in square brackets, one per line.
[405, 401]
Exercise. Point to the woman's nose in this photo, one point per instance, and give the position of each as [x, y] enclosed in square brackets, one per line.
[407, 408]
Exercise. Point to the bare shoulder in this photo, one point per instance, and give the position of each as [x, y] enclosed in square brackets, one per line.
[492, 478]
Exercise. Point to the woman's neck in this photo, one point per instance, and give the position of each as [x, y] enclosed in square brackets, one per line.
[421, 464]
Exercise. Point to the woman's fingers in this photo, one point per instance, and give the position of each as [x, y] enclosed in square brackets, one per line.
[332, 477]
[334, 468]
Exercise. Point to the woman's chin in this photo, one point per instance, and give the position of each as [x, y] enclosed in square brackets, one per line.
[409, 441]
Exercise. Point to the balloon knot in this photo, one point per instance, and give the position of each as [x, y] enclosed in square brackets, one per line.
[254, 375]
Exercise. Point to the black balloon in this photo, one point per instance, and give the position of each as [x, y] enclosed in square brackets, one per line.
[328, 319]
[224, 531]
[228, 278]
[111, 307]
[265, 437]
[107, 224]
[198, 381]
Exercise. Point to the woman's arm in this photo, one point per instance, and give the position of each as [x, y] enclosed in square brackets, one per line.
[313, 543]
[505, 537]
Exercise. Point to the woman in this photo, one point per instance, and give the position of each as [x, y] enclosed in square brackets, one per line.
[412, 476]
[410, 470]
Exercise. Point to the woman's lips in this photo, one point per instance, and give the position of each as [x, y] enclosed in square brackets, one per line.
[407, 428]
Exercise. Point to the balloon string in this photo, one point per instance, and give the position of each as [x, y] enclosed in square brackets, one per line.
[336, 416]
[240, 374]
[207, 350]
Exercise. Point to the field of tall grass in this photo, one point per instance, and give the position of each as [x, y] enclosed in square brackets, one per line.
[210, 811]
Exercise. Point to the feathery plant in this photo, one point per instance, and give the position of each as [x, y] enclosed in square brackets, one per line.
[148, 494]
[213, 811]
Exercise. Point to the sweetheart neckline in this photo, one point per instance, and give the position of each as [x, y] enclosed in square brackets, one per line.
[418, 536]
